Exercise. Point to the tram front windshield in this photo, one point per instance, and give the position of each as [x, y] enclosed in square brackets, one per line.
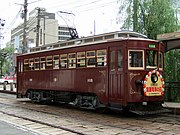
[151, 59]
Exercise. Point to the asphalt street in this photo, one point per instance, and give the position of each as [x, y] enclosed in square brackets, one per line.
[9, 129]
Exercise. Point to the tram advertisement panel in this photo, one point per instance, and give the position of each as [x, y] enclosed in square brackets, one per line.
[153, 84]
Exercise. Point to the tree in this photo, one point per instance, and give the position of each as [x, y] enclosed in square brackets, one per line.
[172, 66]
[153, 17]
[150, 17]
[7, 59]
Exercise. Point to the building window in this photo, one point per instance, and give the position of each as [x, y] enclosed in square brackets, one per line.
[61, 38]
[63, 28]
[63, 33]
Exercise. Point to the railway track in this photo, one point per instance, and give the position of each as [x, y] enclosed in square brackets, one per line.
[67, 119]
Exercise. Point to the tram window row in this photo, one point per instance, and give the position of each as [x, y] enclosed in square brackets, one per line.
[71, 60]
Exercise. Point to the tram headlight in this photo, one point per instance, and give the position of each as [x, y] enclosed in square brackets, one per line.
[154, 78]
[138, 82]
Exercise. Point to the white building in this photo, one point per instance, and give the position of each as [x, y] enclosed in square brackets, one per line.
[49, 30]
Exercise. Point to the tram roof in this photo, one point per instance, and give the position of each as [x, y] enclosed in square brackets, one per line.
[112, 36]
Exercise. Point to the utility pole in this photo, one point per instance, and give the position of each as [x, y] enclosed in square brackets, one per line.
[25, 28]
[44, 34]
[38, 26]
[39, 16]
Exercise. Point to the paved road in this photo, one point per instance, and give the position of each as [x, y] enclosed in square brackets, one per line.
[9, 129]
[62, 120]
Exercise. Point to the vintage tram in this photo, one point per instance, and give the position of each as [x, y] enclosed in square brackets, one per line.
[117, 70]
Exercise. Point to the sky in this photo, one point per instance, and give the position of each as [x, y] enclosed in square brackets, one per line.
[90, 16]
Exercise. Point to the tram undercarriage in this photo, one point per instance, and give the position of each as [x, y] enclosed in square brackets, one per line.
[91, 101]
[87, 101]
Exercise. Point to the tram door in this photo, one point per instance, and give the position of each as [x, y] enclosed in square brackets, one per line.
[115, 75]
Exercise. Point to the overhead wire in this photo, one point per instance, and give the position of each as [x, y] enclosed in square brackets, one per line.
[62, 4]
[83, 5]
[98, 6]
[13, 21]
[75, 7]
[89, 6]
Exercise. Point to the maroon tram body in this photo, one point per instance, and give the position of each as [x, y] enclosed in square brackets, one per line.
[115, 70]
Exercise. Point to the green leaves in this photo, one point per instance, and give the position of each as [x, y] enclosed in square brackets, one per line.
[7, 59]
[150, 17]
[172, 66]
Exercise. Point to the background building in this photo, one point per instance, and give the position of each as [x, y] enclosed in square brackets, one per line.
[42, 28]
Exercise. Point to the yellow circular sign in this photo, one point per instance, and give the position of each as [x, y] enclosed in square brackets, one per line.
[151, 87]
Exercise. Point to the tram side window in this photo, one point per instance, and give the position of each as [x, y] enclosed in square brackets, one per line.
[20, 66]
[136, 59]
[101, 57]
[48, 62]
[31, 64]
[81, 59]
[90, 59]
[120, 64]
[160, 60]
[42, 63]
[56, 62]
[36, 63]
[21, 70]
[112, 60]
[26, 64]
[63, 61]
[151, 59]
[72, 60]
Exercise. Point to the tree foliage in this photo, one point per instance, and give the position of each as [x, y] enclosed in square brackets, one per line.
[7, 60]
[150, 17]
[172, 66]
[153, 17]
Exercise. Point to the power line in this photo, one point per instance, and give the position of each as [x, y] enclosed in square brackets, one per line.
[98, 6]
[85, 5]
[82, 5]
[13, 21]
[61, 4]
